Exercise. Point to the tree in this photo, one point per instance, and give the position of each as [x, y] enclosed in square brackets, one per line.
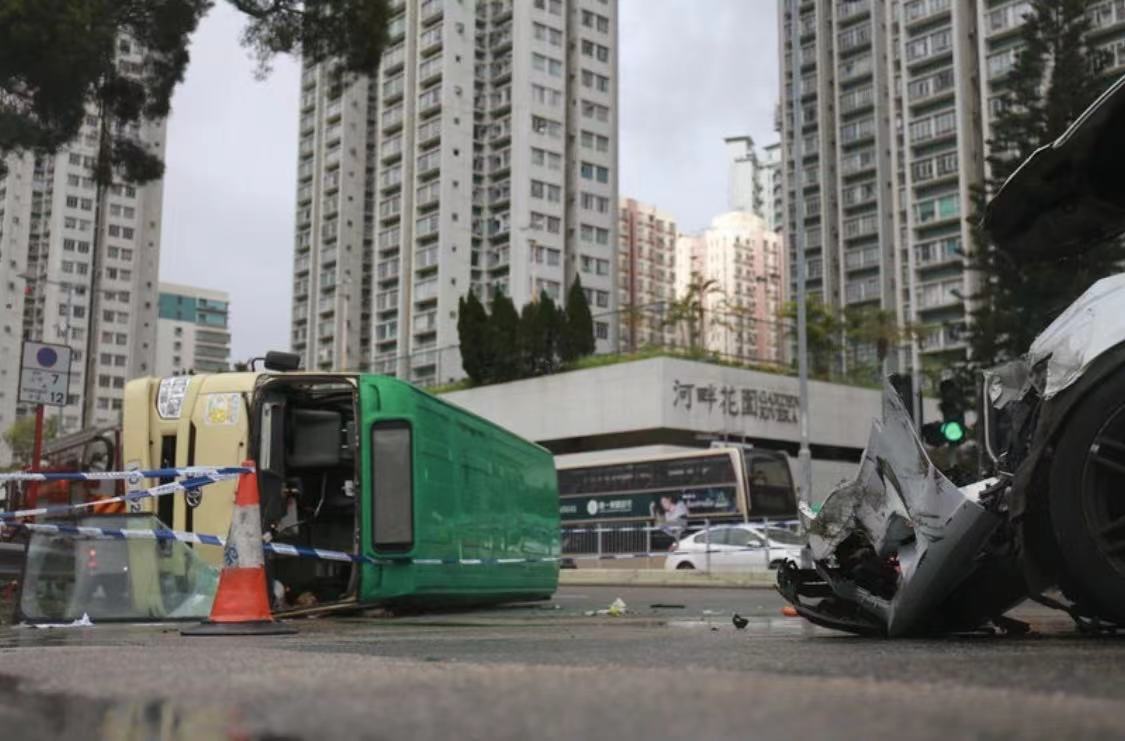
[60, 61]
[823, 330]
[351, 31]
[20, 436]
[503, 339]
[688, 312]
[1057, 74]
[472, 329]
[874, 327]
[577, 332]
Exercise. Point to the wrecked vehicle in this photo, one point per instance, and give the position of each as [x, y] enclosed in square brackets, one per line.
[901, 550]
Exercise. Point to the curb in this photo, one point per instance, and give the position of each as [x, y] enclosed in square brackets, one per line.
[661, 578]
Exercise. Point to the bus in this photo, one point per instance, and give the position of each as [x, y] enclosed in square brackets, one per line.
[671, 491]
[359, 463]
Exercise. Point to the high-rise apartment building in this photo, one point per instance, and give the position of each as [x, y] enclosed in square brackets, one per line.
[744, 185]
[646, 275]
[49, 273]
[481, 156]
[896, 100]
[770, 183]
[192, 330]
[741, 262]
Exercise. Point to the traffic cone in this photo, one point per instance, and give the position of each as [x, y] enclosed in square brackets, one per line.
[241, 605]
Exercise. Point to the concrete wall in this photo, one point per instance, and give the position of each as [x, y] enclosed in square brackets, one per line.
[653, 395]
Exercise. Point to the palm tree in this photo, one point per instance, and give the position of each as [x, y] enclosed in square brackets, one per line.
[689, 311]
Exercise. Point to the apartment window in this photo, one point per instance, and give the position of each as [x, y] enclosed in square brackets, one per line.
[544, 223]
[596, 142]
[546, 191]
[546, 95]
[1001, 63]
[549, 34]
[595, 51]
[544, 158]
[595, 234]
[595, 111]
[591, 171]
[544, 63]
[856, 130]
[855, 36]
[937, 209]
[595, 81]
[592, 202]
[72, 201]
[546, 127]
[601, 330]
[554, 7]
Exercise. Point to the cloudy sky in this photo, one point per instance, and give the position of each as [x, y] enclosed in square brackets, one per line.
[692, 72]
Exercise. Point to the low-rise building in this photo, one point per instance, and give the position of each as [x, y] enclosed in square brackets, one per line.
[192, 331]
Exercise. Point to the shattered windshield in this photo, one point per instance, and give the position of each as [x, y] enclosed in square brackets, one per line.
[67, 577]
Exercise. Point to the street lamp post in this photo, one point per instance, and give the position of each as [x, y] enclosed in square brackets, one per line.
[804, 454]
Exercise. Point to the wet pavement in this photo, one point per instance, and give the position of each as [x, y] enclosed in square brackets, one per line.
[674, 667]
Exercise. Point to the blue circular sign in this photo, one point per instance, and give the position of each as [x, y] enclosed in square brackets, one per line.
[46, 357]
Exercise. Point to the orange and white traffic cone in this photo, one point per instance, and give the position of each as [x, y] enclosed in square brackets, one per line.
[241, 605]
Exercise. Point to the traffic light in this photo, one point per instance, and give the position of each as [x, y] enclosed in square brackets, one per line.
[952, 413]
[951, 429]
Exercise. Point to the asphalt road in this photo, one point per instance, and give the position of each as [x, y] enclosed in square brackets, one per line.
[674, 667]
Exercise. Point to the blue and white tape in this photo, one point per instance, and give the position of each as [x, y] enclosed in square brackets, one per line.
[279, 549]
[194, 483]
[133, 476]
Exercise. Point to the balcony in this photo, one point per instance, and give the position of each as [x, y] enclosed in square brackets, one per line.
[430, 70]
[920, 11]
[431, 10]
[429, 133]
[430, 41]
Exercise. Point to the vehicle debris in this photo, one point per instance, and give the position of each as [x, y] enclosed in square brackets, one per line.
[900, 550]
[617, 608]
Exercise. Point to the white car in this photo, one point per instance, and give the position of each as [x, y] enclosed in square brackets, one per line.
[739, 547]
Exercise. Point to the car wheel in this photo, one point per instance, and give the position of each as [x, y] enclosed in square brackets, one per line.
[1087, 508]
[685, 566]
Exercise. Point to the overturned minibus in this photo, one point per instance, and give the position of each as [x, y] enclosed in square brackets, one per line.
[448, 508]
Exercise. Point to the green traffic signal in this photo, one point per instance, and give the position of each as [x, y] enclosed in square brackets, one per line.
[953, 431]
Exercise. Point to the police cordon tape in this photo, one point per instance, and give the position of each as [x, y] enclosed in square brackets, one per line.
[157, 473]
[296, 551]
[192, 484]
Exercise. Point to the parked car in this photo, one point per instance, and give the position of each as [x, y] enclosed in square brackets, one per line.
[739, 547]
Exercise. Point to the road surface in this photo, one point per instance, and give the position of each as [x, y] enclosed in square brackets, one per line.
[674, 667]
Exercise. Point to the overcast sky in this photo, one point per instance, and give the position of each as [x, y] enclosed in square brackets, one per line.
[692, 72]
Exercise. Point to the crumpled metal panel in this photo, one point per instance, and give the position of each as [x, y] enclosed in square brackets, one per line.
[906, 507]
[1089, 326]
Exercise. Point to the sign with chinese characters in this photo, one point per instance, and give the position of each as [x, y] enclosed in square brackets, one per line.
[44, 374]
[736, 401]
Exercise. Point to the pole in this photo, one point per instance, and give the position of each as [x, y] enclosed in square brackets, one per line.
[36, 456]
[804, 454]
[707, 530]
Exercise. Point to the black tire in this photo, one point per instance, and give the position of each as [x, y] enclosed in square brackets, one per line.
[1087, 501]
[684, 566]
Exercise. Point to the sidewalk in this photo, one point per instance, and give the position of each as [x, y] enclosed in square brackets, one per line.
[662, 578]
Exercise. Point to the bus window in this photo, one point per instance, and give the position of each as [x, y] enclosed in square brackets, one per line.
[392, 486]
[769, 471]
